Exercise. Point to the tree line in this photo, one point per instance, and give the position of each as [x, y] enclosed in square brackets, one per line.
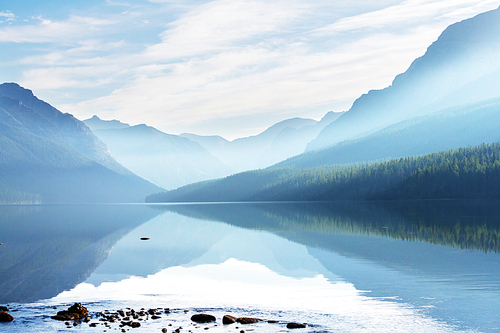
[463, 173]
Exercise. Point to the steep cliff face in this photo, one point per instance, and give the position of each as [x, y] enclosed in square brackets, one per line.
[462, 66]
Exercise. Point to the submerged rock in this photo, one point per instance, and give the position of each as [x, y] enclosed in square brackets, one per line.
[76, 311]
[5, 317]
[202, 318]
[245, 320]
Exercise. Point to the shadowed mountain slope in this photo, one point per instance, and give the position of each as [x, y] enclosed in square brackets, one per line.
[50, 157]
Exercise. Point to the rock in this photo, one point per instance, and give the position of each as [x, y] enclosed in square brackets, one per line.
[245, 320]
[202, 318]
[227, 320]
[164, 330]
[273, 321]
[295, 325]
[155, 317]
[5, 317]
[135, 324]
[93, 324]
[4, 309]
[145, 238]
[76, 311]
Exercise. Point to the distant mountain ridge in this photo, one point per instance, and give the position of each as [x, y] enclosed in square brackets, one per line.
[170, 161]
[50, 157]
[451, 128]
[96, 123]
[462, 66]
[279, 142]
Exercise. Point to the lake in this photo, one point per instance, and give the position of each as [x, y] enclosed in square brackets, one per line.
[421, 266]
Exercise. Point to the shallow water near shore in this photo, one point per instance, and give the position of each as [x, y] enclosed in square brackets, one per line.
[339, 267]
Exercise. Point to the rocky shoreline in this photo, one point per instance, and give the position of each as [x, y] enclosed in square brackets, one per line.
[123, 320]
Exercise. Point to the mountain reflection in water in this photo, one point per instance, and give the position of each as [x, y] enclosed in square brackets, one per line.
[424, 265]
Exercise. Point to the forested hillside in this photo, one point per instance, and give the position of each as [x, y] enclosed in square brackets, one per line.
[472, 172]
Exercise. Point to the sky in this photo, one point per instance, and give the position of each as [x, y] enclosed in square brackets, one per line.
[222, 67]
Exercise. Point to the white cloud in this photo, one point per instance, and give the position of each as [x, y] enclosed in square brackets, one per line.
[48, 31]
[410, 13]
[222, 24]
[7, 14]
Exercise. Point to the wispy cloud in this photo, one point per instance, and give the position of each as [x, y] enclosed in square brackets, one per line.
[409, 14]
[225, 24]
[48, 31]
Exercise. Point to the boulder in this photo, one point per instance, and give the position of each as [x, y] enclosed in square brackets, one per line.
[74, 312]
[245, 320]
[5, 317]
[4, 309]
[227, 320]
[135, 324]
[202, 318]
[295, 325]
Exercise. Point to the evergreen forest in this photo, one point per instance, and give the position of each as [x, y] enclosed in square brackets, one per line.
[463, 173]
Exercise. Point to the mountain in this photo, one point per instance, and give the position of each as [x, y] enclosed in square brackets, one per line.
[96, 123]
[50, 157]
[280, 141]
[461, 67]
[451, 128]
[40, 118]
[170, 161]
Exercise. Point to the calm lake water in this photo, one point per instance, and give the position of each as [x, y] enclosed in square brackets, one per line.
[429, 266]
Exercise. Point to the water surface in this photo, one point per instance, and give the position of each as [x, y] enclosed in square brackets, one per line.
[348, 267]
